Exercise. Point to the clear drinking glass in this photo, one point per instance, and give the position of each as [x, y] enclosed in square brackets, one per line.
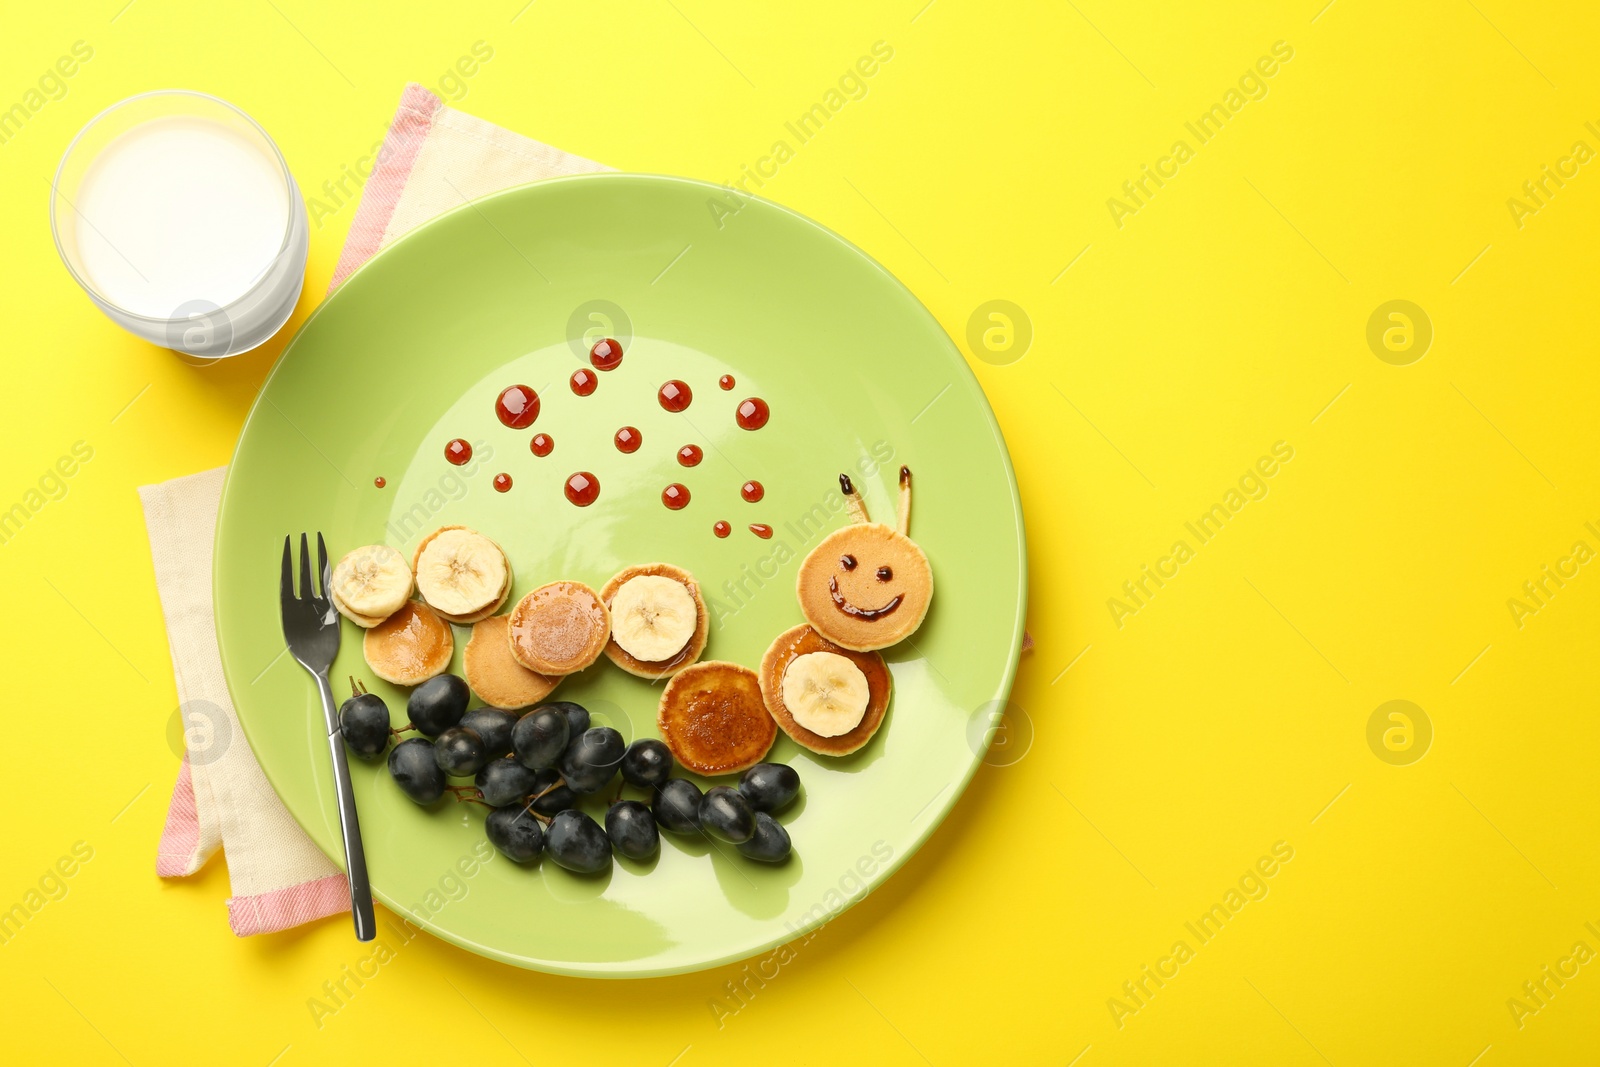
[177, 214]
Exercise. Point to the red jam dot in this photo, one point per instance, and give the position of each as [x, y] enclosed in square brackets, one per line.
[606, 354]
[517, 407]
[458, 452]
[379, 482]
[753, 413]
[583, 489]
[722, 529]
[690, 455]
[675, 496]
[726, 381]
[752, 491]
[502, 482]
[541, 445]
[675, 395]
[584, 382]
[628, 439]
[761, 530]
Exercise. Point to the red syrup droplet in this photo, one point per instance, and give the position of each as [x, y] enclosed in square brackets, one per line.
[721, 529]
[583, 489]
[541, 445]
[379, 482]
[458, 452]
[752, 491]
[675, 496]
[606, 354]
[517, 406]
[761, 530]
[726, 381]
[628, 439]
[502, 482]
[584, 382]
[753, 413]
[690, 456]
[675, 395]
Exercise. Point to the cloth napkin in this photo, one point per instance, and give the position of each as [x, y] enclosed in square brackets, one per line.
[434, 158]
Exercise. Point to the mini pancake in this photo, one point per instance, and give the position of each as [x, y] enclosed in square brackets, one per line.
[366, 622]
[486, 612]
[685, 656]
[713, 718]
[410, 646]
[803, 640]
[494, 675]
[558, 628]
[865, 587]
[467, 618]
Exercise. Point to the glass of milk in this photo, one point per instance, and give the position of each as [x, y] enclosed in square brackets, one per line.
[178, 216]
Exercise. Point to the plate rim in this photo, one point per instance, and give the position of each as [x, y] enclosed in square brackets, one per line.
[1002, 693]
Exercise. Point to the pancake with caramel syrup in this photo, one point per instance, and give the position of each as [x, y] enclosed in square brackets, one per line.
[654, 669]
[713, 718]
[495, 675]
[559, 628]
[410, 646]
[803, 640]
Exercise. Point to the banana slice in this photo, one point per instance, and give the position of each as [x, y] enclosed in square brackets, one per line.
[370, 584]
[825, 692]
[652, 617]
[461, 573]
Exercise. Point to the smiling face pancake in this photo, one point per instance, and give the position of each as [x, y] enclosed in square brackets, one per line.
[865, 587]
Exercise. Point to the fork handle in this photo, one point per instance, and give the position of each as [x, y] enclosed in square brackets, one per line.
[355, 857]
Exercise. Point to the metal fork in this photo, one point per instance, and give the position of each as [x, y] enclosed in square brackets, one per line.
[311, 630]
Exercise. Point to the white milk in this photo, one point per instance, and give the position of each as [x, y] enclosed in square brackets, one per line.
[177, 210]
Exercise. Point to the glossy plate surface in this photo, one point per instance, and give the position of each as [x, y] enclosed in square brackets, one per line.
[413, 350]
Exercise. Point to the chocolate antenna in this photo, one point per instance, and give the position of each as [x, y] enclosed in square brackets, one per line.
[852, 500]
[905, 501]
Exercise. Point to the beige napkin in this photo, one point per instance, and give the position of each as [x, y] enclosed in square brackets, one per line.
[434, 158]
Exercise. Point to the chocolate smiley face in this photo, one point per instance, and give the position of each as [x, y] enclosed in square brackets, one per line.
[865, 587]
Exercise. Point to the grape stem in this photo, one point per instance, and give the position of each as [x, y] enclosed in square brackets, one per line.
[464, 794]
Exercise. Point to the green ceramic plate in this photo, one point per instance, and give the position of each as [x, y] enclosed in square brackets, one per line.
[413, 350]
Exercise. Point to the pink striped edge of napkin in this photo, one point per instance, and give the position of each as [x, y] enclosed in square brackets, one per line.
[412, 121]
[267, 913]
[179, 855]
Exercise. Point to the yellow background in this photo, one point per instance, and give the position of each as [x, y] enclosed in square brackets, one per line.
[1228, 714]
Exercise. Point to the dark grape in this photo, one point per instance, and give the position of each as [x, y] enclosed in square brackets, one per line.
[494, 726]
[632, 830]
[769, 786]
[590, 762]
[460, 752]
[515, 832]
[364, 722]
[438, 704]
[647, 763]
[416, 771]
[725, 813]
[770, 842]
[504, 781]
[577, 715]
[677, 806]
[558, 799]
[539, 737]
[576, 841]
